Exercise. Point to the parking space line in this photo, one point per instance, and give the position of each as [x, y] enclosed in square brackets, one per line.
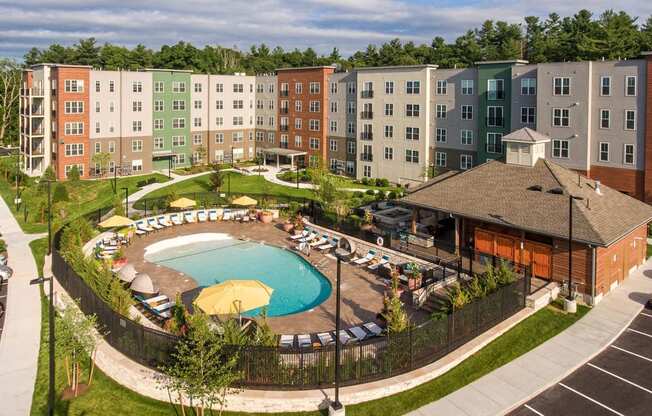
[620, 378]
[533, 410]
[639, 332]
[646, 314]
[591, 400]
[632, 353]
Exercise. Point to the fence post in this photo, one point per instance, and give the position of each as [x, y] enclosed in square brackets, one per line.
[411, 348]
[493, 261]
[145, 206]
[471, 258]
[459, 266]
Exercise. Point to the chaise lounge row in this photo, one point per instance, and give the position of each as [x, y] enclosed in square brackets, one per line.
[159, 222]
[323, 339]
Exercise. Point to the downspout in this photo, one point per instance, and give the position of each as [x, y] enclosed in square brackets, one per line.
[593, 273]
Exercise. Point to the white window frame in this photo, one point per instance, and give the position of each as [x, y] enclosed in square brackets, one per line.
[632, 153]
[558, 146]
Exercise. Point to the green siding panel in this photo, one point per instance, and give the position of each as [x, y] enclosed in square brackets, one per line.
[485, 73]
[168, 96]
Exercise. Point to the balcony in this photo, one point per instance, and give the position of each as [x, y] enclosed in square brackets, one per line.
[366, 135]
[37, 151]
[367, 94]
[366, 157]
[37, 111]
[284, 128]
[34, 92]
[38, 131]
[495, 121]
[284, 93]
[284, 110]
[366, 115]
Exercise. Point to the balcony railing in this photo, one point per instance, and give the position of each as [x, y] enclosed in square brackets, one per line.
[284, 93]
[284, 110]
[367, 94]
[37, 151]
[366, 135]
[284, 128]
[34, 92]
[366, 157]
[366, 115]
[495, 121]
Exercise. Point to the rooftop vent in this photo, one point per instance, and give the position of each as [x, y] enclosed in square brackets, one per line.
[597, 188]
[556, 191]
[537, 188]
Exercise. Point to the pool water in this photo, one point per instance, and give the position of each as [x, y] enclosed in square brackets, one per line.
[297, 285]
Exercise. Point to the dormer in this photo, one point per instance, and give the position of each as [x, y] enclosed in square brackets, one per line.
[525, 147]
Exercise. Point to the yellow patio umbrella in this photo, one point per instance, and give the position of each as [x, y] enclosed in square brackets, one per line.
[233, 297]
[183, 203]
[116, 221]
[245, 201]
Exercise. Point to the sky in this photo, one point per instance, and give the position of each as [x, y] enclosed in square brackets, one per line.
[321, 24]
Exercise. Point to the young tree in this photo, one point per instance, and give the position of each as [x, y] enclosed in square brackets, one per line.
[73, 174]
[201, 368]
[102, 160]
[216, 178]
[10, 80]
[326, 185]
[60, 193]
[118, 207]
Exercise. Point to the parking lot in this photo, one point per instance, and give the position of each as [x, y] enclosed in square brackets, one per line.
[618, 381]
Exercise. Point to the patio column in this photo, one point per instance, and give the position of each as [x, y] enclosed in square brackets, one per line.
[413, 225]
[457, 234]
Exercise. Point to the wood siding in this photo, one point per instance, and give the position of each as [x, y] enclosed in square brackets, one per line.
[615, 262]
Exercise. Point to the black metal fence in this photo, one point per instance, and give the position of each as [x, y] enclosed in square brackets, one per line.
[264, 367]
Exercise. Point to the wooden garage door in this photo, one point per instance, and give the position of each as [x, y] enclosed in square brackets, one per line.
[505, 247]
[484, 241]
[539, 257]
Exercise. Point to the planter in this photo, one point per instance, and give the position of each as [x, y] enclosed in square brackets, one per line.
[288, 226]
[266, 217]
[119, 263]
[366, 227]
[414, 281]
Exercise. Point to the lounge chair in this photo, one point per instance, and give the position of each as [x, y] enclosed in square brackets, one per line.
[345, 337]
[175, 219]
[140, 232]
[201, 216]
[383, 260]
[189, 217]
[212, 215]
[303, 234]
[154, 224]
[332, 244]
[140, 225]
[154, 301]
[310, 237]
[323, 240]
[163, 307]
[358, 333]
[366, 259]
[373, 328]
[325, 338]
[228, 215]
[304, 340]
[164, 221]
[286, 341]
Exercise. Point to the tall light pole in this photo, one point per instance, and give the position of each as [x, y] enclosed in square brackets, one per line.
[569, 304]
[126, 189]
[42, 280]
[49, 217]
[336, 407]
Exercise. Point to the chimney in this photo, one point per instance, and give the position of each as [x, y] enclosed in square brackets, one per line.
[597, 188]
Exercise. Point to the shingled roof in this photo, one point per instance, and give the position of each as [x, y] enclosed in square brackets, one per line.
[535, 199]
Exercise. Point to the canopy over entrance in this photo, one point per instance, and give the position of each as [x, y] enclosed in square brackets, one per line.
[279, 151]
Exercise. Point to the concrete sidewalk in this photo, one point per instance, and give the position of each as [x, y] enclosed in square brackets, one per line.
[158, 185]
[19, 344]
[514, 383]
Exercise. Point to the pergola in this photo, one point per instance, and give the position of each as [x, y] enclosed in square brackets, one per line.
[279, 151]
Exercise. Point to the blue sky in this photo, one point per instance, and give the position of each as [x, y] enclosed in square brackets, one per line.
[321, 24]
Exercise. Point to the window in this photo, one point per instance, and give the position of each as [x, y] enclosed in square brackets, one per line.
[97, 127]
[97, 86]
[366, 171]
[413, 87]
[412, 133]
[197, 104]
[137, 106]
[75, 128]
[178, 123]
[298, 106]
[604, 152]
[442, 87]
[238, 121]
[315, 106]
[237, 136]
[158, 86]
[159, 143]
[389, 153]
[528, 86]
[136, 145]
[75, 149]
[178, 105]
[178, 141]
[197, 87]
[605, 119]
[467, 112]
[493, 142]
[314, 88]
[74, 107]
[466, 137]
[495, 116]
[440, 159]
[333, 106]
[495, 89]
[467, 87]
[411, 156]
[272, 120]
[158, 106]
[389, 110]
[350, 87]
[137, 86]
[332, 145]
[219, 105]
[179, 159]
[111, 86]
[314, 125]
[560, 117]
[196, 122]
[219, 138]
[630, 119]
[97, 106]
[111, 106]
[219, 121]
[298, 87]
[219, 87]
[560, 149]
[389, 87]
[314, 143]
[440, 135]
[80, 168]
[159, 124]
[630, 86]
[238, 104]
[333, 126]
[350, 128]
[561, 86]
[111, 166]
[441, 110]
[74, 85]
[178, 86]
[98, 147]
[260, 136]
[605, 86]
[350, 147]
[111, 147]
[412, 110]
[260, 120]
[389, 132]
[136, 126]
[466, 162]
[350, 107]
[333, 87]
[298, 123]
[528, 115]
[628, 154]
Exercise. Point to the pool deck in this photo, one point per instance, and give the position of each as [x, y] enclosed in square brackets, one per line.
[362, 290]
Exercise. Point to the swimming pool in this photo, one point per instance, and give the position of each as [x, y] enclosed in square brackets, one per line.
[212, 258]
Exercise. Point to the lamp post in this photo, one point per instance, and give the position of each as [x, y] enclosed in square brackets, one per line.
[49, 217]
[169, 167]
[336, 407]
[569, 303]
[17, 199]
[126, 201]
[115, 180]
[42, 280]
[297, 174]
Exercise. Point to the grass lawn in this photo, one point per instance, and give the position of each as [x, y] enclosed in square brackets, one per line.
[39, 248]
[84, 197]
[106, 397]
[649, 251]
[345, 182]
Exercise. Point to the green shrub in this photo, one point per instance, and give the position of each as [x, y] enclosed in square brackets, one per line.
[358, 194]
[140, 184]
[3, 246]
[60, 193]
[382, 182]
[365, 181]
[370, 192]
[73, 174]
[391, 195]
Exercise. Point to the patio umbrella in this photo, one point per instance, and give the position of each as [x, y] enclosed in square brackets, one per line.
[116, 221]
[143, 284]
[183, 203]
[233, 297]
[245, 201]
[127, 273]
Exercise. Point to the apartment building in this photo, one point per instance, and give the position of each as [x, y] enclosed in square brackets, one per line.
[266, 112]
[342, 123]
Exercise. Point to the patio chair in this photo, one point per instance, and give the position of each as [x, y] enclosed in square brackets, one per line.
[383, 260]
[212, 215]
[175, 219]
[189, 217]
[154, 224]
[140, 232]
[151, 302]
[332, 244]
[373, 328]
[304, 340]
[303, 234]
[163, 221]
[228, 215]
[345, 338]
[286, 341]
[366, 259]
[325, 338]
[140, 225]
[310, 237]
[359, 333]
[318, 242]
[201, 216]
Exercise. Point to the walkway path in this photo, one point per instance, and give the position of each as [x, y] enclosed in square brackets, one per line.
[511, 385]
[19, 344]
[158, 185]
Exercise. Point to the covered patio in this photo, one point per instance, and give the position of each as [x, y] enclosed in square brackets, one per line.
[286, 154]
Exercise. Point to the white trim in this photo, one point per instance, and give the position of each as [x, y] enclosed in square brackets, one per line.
[590, 399]
[531, 409]
[631, 353]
